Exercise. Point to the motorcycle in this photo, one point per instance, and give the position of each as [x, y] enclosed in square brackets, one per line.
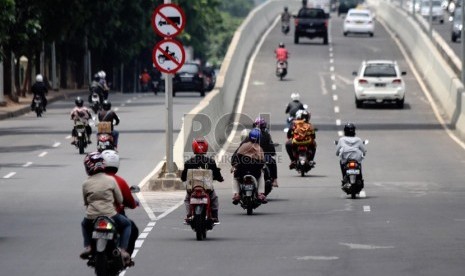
[105, 141]
[303, 164]
[95, 102]
[82, 139]
[285, 27]
[105, 257]
[200, 212]
[248, 191]
[281, 69]
[353, 182]
[38, 107]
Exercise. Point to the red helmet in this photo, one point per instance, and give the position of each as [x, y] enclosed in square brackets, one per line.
[200, 146]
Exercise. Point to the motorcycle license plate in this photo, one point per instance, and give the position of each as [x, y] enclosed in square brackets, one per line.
[248, 187]
[102, 235]
[353, 171]
[202, 200]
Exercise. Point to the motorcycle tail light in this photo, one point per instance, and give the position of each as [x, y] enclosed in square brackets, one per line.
[103, 225]
[352, 165]
[198, 192]
[302, 148]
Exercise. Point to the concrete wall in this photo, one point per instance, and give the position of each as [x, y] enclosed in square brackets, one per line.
[435, 70]
[212, 117]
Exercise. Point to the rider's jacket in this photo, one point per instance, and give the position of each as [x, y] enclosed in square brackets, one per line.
[40, 89]
[350, 148]
[281, 54]
[201, 161]
[101, 193]
[80, 113]
[128, 199]
[248, 158]
[293, 107]
[285, 17]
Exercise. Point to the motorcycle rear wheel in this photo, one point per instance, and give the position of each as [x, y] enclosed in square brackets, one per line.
[81, 145]
[101, 261]
[200, 229]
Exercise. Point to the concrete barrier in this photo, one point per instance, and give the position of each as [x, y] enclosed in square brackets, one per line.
[212, 117]
[430, 62]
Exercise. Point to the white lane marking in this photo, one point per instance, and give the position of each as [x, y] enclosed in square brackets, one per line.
[316, 258]
[330, 49]
[338, 122]
[27, 164]
[336, 109]
[366, 208]
[143, 235]
[363, 194]
[331, 68]
[151, 224]
[344, 80]
[148, 229]
[335, 97]
[330, 54]
[365, 246]
[340, 133]
[43, 154]
[258, 83]
[57, 144]
[323, 85]
[333, 87]
[331, 60]
[424, 88]
[333, 77]
[138, 243]
[68, 137]
[142, 200]
[9, 175]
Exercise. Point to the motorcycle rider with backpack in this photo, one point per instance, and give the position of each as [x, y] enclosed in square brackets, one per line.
[249, 158]
[350, 147]
[101, 192]
[81, 113]
[302, 132]
[201, 161]
[266, 142]
[112, 162]
[96, 87]
[39, 88]
[108, 115]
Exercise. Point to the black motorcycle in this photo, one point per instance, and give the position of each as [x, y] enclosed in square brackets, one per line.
[95, 103]
[38, 106]
[285, 27]
[281, 69]
[352, 184]
[81, 134]
[303, 164]
[248, 191]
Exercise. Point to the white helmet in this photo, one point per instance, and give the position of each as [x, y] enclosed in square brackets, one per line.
[244, 134]
[111, 159]
[101, 74]
[39, 78]
[295, 96]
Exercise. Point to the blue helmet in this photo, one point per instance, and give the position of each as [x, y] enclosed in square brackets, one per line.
[254, 135]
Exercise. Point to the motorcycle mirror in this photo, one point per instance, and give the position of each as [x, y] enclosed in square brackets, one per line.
[305, 106]
[335, 142]
[134, 189]
[365, 142]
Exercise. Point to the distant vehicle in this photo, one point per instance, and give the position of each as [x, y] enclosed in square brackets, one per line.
[437, 10]
[311, 23]
[210, 78]
[321, 4]
[359, 21]
[379, 81]
[189, 78]
[456, 25]
[345, 5]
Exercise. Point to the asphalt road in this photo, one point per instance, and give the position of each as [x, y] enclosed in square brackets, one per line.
[410, 222]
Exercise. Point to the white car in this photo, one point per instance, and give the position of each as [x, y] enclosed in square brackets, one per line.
[359, 21]
[437, 10]
[379, 81]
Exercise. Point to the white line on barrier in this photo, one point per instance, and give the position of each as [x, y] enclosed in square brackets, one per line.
[43, 154]
[27, 164]
[9, 175]
[57, 144]
[424, 88]
[338, 122]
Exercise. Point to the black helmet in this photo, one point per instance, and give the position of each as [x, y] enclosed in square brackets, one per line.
[285, 9]
[106, 105]
[96, 77]
[349, 130]
[281, 44]
[79, 102]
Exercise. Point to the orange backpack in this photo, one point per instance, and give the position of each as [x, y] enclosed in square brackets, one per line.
[303, 132]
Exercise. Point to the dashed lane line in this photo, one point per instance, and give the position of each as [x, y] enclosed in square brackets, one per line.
[43, 154]
[9, 175]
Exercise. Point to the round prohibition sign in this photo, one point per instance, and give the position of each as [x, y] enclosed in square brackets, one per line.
[168, 56]
[168, 20]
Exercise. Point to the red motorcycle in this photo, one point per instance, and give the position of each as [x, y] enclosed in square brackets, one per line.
[303, 156]
[200, 218]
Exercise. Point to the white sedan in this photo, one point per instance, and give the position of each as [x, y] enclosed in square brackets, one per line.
[379, 81]
[359, 21]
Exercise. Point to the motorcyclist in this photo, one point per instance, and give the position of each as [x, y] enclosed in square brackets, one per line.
[350, 147]
[201, 161]
[281, 53]
[81, 113]
[112, 162]
[266, 142]
[103, 83]
[108, 115]
[294, 105]
[96, 87]
[249, 158]
[296, 138]
[286, 16]
[101, 192]
[39, 88]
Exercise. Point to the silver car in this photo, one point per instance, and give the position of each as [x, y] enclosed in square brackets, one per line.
[379, 81]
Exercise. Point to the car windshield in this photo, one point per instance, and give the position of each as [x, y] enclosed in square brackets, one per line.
[312, 13]
[359, 14]
[189, 68]
[380, 70]
[435, 3]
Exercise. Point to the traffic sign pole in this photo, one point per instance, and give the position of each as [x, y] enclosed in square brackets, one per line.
[169, 122]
